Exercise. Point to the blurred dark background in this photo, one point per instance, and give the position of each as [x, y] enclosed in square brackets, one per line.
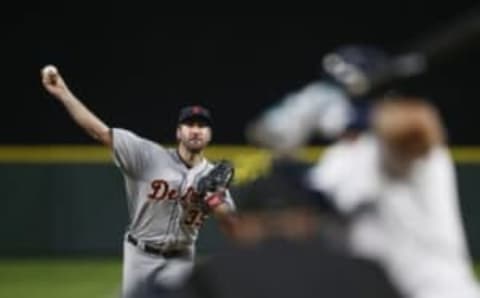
[135, 67]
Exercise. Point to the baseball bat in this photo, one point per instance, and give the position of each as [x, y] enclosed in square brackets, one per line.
[432, 47]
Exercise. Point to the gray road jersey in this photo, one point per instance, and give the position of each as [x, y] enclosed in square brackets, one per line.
[160, 189]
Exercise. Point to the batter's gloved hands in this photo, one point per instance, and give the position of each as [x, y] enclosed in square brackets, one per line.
[212, 186]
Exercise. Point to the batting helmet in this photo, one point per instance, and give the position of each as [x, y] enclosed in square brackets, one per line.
[357, 68]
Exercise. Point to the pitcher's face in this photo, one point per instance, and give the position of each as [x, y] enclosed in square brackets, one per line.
[194, 135]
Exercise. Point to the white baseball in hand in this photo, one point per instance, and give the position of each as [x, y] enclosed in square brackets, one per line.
[50, 74]
[49, 70]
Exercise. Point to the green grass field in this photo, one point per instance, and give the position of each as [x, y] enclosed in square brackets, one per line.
[60, 278]
[64, 278]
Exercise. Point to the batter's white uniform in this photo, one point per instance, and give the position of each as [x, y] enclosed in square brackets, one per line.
[165, 213]
[411, 225]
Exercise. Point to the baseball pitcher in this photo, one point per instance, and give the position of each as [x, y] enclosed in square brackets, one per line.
[170, 191]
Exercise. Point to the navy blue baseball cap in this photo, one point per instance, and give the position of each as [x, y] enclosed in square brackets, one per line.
[195, 112]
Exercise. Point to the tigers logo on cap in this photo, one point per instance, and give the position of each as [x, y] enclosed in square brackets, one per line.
[195, 112]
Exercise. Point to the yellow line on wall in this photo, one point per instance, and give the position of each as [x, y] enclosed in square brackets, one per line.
[55, 154]
[100, 154]
[466, 154]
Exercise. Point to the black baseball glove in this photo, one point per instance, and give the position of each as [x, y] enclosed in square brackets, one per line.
[212, 186]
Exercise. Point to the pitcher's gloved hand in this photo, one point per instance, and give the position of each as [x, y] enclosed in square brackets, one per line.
[212, 186]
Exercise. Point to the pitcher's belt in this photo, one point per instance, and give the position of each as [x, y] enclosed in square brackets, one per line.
[172, 253]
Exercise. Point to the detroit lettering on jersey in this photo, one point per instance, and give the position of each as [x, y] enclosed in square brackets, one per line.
[162, 190]
[190, 200]
[163, 204]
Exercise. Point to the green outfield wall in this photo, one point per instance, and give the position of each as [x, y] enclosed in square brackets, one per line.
[69, 200]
